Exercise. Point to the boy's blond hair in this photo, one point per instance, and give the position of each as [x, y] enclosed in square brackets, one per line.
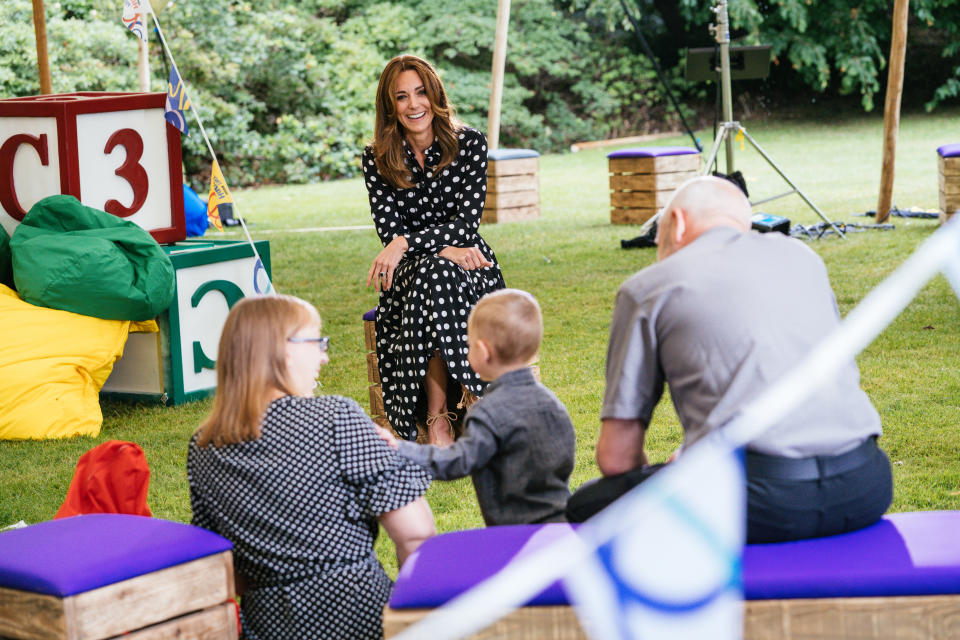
[509, 321]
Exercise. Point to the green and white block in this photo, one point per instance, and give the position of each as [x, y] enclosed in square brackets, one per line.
[176, 365]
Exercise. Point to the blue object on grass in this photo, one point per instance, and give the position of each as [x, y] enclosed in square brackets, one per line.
[194, 212]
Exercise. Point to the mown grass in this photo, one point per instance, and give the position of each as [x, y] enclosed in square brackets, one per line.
[571, 260]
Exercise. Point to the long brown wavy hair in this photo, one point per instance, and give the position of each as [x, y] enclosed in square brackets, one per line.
[251, 365]
[388, 133]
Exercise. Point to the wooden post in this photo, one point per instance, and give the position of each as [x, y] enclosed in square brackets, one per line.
[891, 110]
[43, 62]
[499, 62]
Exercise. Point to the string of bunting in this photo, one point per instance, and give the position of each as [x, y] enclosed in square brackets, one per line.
[220, 203]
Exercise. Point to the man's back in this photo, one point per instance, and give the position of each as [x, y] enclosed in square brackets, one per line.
[719, 321]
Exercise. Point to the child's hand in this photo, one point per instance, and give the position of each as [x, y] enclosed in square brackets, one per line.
[386, 435]
[675, 454]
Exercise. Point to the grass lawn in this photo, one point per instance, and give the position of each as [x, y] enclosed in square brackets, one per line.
[571, 260]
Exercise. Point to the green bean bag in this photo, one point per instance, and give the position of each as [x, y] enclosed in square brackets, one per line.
[6, 268]
[75, 258]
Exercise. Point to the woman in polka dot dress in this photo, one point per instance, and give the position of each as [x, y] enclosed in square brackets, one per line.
[298, 483]
[426, 175]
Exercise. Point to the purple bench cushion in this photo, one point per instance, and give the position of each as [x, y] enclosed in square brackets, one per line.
[949, 150]
[447, 565]
[72, 555]
[370, 315]
[903, 554]
[651, 152]
[511, 154]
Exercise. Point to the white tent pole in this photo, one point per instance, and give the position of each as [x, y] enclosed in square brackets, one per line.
[143, 62]
[499, 62]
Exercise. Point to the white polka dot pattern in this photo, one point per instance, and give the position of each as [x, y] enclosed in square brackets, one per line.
[431, 298]
[299, 505]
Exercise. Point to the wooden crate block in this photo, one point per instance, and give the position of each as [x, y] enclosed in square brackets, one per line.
[893, 618]
[213, 623]
[649, 181]
[512, 214]
[900, 617]
[640, 199]
[370, 335]
[949, 185]
[120, 607]
[660, 164]
[948, 206]
[948, 166]
[504, 184]
[373, 369]
[512, 199]
[376, 400]
[512, 167]
[526, 623]
[631, 216]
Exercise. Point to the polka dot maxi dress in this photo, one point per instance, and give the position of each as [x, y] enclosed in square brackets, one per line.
[427, 307]
[299, 504]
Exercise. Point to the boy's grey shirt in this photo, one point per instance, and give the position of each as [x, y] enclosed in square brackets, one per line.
[518, 445]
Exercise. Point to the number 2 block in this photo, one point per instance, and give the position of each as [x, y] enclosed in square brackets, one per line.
[112, 151]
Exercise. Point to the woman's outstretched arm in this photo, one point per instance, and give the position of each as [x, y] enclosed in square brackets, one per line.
[408, 527]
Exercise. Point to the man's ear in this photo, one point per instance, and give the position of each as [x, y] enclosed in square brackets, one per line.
[680, 226]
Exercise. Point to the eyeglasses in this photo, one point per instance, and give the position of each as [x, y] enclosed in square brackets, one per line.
[323, 342]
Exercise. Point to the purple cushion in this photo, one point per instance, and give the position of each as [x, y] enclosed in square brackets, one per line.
[370, 315]
[903, 554]
[447, 565]
[72, 555]
[511, 154]
[949, 150]
[651, 152]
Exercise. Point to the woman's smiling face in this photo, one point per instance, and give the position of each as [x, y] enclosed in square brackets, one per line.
[414, 110]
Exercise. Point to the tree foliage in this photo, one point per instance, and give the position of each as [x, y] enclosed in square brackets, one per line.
[285, 87]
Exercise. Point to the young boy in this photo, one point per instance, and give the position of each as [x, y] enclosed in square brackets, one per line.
[518, 441]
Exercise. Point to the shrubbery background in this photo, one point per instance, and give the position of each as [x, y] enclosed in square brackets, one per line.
[286, 87]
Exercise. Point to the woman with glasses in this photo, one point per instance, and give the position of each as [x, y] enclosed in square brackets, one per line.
[299, 482]
[426, 176]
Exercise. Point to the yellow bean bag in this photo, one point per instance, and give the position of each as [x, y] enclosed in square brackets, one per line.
[52, 366]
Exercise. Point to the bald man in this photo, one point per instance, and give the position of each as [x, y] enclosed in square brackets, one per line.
[722, 314]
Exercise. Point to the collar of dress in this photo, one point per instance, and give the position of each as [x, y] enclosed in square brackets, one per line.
[431, 154]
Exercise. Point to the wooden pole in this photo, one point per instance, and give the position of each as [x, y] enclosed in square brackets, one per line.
[891, 110]
[499, 62]
[43, 62]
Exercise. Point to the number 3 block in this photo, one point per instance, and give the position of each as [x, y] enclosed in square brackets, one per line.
[112, 151]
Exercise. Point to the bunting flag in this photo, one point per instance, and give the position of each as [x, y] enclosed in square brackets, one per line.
[177, 101]
[678, 574]
[132, 17]
[220, 202]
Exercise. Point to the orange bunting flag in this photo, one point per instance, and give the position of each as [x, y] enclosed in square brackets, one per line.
[220, 202]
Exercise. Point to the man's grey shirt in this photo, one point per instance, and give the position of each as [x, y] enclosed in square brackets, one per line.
[518, 444]
[719, 321]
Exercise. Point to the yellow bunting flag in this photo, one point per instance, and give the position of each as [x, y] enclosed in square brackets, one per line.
[220, 202]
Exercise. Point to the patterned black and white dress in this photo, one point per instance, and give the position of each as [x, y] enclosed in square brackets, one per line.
[427, 307]
[300, 506]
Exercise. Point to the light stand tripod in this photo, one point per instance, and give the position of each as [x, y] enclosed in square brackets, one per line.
[730, 128]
